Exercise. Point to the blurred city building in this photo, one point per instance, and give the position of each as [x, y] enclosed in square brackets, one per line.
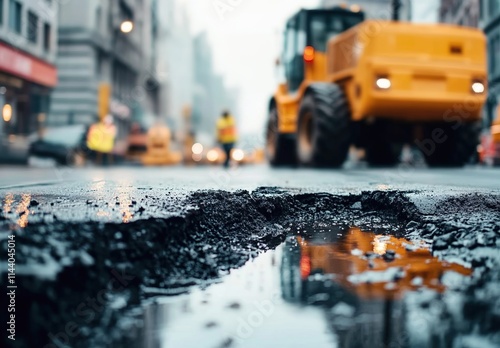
[211, 92]
[204, 107]
[28, 37]
[461, 12]
[176, 64]
[192, 94]
[378, 9]
[489, 21]
[107, 61]
[486, 15]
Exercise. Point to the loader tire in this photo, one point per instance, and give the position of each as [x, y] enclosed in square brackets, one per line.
[280, 148]
[453, 147]
[324, 129]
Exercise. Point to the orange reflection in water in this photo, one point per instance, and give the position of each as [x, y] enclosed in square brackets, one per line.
[7, 203]
[379, 245]
[375, 266]
[22, 208]
[125, 201]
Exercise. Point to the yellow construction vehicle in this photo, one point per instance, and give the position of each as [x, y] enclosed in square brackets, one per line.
[495, 129]
[377, 85]
[159, 150]
[495, 140]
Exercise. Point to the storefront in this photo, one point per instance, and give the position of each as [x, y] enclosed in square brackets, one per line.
[25, 86]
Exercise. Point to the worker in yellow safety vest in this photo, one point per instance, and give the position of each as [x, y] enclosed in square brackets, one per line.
[227, 134]
[101, 138]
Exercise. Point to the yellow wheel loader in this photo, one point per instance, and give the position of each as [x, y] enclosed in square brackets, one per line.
[495, 140]
[376, 85]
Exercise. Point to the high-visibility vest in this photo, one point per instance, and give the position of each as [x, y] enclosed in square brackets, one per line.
[226, 130]
[101, 138]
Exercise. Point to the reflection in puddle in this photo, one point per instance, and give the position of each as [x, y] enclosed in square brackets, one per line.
[23, 211]
[125, 204]
[365, 283]
[7, 204]
[368, 265]
[22, 208]
[332, 288]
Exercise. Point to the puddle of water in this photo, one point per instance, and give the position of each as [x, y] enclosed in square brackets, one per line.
[325, 288]
[368, 265]
[244, 310]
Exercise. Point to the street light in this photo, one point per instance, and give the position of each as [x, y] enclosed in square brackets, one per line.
[7, 112]
[127, 26]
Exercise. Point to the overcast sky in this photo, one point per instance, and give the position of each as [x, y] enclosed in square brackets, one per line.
[246, 39]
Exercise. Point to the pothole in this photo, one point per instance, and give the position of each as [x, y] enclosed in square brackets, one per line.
[123, 264]
[332, 286]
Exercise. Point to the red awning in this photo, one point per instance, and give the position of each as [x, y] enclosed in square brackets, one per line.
[27, 67]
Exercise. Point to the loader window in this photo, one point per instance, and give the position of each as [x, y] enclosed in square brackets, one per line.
[290, 49]
[295, 42]
[312, 28]
[324, 26]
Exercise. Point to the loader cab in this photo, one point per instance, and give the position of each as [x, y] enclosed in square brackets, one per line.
[312, 28]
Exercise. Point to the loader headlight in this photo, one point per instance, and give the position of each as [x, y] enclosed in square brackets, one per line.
[478, 87]
[383, 83]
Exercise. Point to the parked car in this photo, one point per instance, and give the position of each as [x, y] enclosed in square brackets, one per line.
[58, 146]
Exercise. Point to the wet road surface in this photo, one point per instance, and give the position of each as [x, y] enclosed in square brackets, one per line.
[126, 194]
[249, 178]
[281, 263]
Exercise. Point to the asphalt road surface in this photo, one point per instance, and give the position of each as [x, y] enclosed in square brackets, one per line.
[74, 187]
[249, 178]
[253, 257]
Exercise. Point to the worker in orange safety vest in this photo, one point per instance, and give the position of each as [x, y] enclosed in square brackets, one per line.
[227, 134]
